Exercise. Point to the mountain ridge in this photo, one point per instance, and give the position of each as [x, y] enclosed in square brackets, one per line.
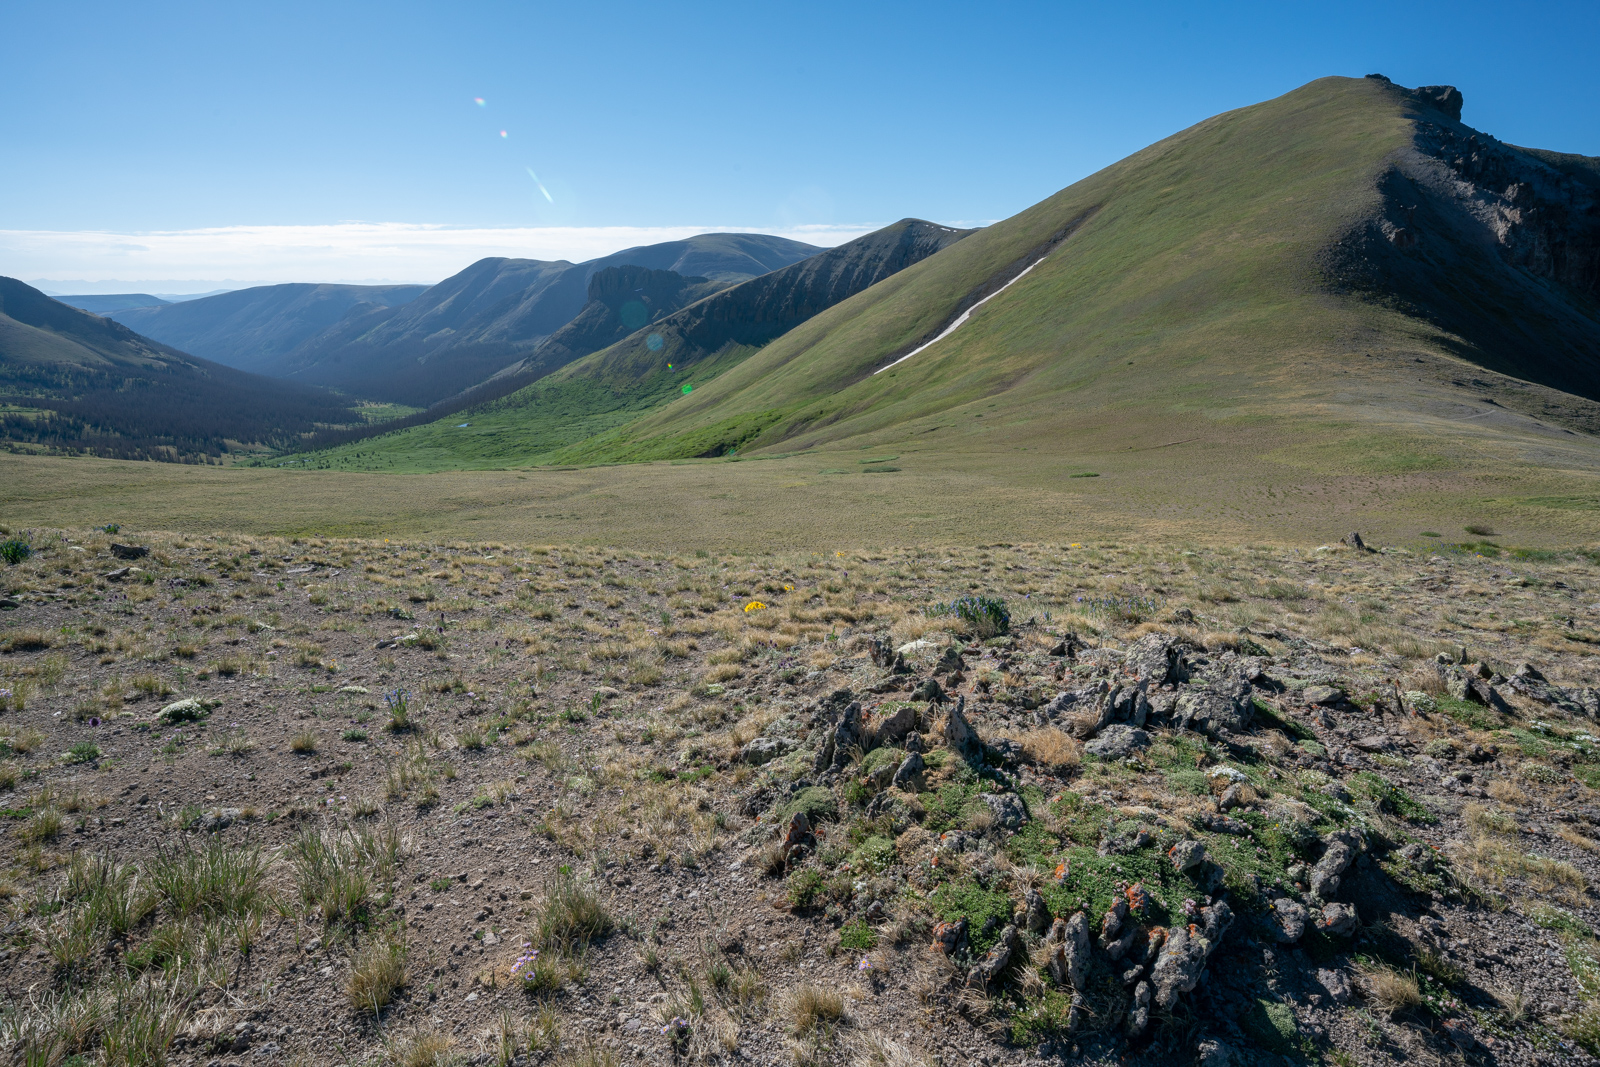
[74, 381]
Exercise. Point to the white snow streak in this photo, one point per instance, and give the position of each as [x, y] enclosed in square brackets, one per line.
[950, 329]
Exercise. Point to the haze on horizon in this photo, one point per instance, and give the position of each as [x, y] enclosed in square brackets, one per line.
[187, 145]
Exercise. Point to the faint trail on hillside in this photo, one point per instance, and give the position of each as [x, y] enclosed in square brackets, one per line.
[950, 329]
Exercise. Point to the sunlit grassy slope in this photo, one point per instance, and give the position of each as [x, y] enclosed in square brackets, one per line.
[1180, 296]
[1179, 342]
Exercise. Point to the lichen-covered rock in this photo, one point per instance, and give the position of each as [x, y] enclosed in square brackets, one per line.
[1186, 854]
[765, 749]
[1118, 741]
[909, 774]
[995, 961]
[1287, 920]
[959, 734]
[1009, 810]
[1340, 849]
[1223, 705]
[1068, 956]
[1184, 953]
[1338, 920]
[1155, 659]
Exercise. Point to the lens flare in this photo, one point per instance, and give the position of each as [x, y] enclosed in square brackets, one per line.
[478, 100]
[688, 389]
[502, 134]
[539, 183]
[655, 343]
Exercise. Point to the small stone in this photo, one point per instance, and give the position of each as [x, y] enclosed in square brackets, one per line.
[765, 749]
[1009, 810]
[1117, 741]
[1322, 695]
[1288, 920]
[1338, 920]
[1186, 854]
[1337, 985]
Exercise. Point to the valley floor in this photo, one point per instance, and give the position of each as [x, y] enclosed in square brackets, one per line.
[424, 801]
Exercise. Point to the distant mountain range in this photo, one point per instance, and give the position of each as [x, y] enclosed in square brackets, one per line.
[257, 329]
[76, 382]
[596, 367]
[418, 345]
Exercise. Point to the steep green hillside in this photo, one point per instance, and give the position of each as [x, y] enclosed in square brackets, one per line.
[668, 357]
[1245, 271]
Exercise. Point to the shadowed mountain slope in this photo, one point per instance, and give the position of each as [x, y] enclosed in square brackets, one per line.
[659, 359]
[107, 303]
[254, 329]
[497, 311]
[74, 381]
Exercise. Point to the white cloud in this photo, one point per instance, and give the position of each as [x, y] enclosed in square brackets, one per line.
[344, 252]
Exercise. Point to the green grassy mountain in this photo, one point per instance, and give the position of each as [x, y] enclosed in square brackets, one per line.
[76, 382]
[255, 329]
[1345, 275]
[664, 357]
[105, 304]
[496, 312]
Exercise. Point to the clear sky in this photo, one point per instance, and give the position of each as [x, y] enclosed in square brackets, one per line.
[273, 127]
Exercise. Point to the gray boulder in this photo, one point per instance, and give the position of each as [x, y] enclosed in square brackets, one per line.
[765, 749]
[959, 734]
[909, 774]
[1288, 920]
[995, 961]
[1118, 741]
[1221, 706]
[1155, 660]
[1187, 854]
[1009, 810]
[893, 729]
[1067, 951]
[1341, 847]
[1338, 920]
[1184, 953]
[1336, 983]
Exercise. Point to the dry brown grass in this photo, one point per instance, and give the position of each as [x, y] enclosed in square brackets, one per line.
[1488, 821]
[377, 972]
[422, 1048]
[1508, 793]
[1050, 748]
[1572, 837]
[1492, 860]
[1391, 990]
[813, 1007]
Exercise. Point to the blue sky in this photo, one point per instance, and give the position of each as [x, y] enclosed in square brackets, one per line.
[273, 124]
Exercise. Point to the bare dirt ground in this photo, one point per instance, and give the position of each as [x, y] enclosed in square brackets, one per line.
[329, 801]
